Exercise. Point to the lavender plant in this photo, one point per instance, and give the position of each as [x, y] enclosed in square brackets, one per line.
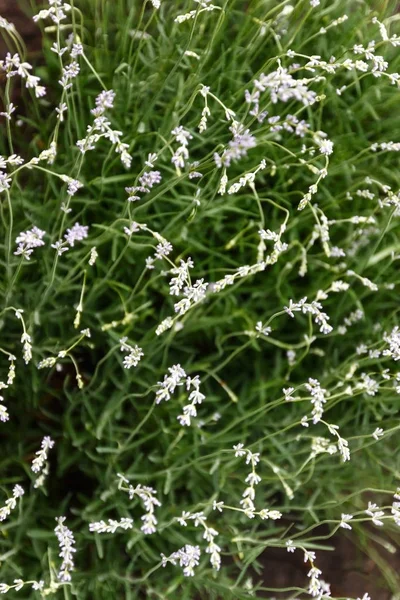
[199, 211]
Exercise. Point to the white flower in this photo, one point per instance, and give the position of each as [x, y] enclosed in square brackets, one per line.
[77, 233]
[150, 179]
[239, 450]
[262, 329]
[375, 513]
[134, 355]
[28, 240]
[77, 50]
[265, 513]
[325, 147]
[290, 547]
[73, 186]
[151, 159]
[378, 433]
[163, 249]
[188, 557]
[345, 521]
[167, 386]
[253, 479]
[309, 556]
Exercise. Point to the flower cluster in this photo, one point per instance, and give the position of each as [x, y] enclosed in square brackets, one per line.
[209, 534]
[148, 497]
[147, 181]
[69, 73]
[4, 416]
[181, 154]
[395, 509]
[205, 113]
[12, 66]
[242, 141]
[20, 583]
[283, 87]
[320, 445]
[11, 503]
[193, 294]
[41, 455]
[134, 355]
[195, 397]
[392, 339]
[314, 308]
[102, 128]
[204, 6]
[279, 246]
[26, 339]
[73, 185]
[317, 588]
[342, 444]
[111, 525]
[375, 513]
[181, 277]
[318, 398]
[188, 557]
[167, 387]
[77, 233]
[29, 240]
[40, 462]
[177, 377]
[56, 12]
[66, 542]
[247, 179]
[252, 479]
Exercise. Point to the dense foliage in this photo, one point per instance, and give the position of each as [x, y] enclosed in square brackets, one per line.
[199, 213]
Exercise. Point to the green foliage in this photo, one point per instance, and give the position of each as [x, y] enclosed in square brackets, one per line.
[111, 424]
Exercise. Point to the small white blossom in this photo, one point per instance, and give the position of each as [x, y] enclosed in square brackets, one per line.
[375, 513]
[378, 433]
[93, 256]
[345, 521]
[290, 547]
